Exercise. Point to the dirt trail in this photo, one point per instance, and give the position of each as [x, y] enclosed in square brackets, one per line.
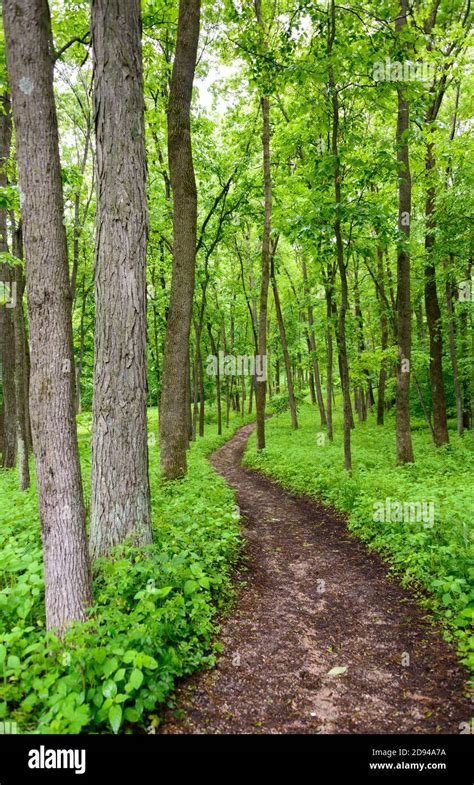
[316, 599]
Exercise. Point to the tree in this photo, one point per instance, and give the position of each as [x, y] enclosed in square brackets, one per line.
[30, 71]
[21, 370]
[403, 428]
[283, 339]
[341, 264]
[7, 300]
[173, 405]
[261, 386]
[120, 485]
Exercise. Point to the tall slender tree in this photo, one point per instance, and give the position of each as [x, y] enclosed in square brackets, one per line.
[261, 384]
[120, 483]
[403, 428]
[174, 422]
[341, 264]
[30, 71]
[7, 283]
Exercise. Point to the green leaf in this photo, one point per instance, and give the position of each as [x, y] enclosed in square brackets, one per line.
[109, 689]
[131, 714]
[115, 717]
[163, 592]
[136, 678]
[190, 587]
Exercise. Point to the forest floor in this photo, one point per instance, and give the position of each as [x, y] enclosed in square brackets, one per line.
[311, 598]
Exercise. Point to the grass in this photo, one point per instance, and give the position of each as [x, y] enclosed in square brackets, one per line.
[154, 612]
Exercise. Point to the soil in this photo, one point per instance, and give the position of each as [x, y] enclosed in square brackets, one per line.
[312, 598]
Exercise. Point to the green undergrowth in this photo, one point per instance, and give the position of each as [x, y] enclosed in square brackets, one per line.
[437, 553]
[154, 613]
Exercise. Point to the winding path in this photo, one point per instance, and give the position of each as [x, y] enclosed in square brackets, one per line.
[312, 599]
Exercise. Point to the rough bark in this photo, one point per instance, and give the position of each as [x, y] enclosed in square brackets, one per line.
[120, 499]
[403, 429]
[173, 408]
[30, 69]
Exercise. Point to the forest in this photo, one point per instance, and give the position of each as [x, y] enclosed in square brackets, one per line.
[237, 378]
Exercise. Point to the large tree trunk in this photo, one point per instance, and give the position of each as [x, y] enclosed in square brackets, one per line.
[7, 302]
[403, 429]
[120, 500]
[173, 414]
[30, 69]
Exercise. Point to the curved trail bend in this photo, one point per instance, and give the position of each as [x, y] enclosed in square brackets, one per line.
[315, 598]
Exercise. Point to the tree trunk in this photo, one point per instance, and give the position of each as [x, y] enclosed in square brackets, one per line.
[195, 398]
[341, 322]
[189, 416]
[7, 357]
[261, 385]
[173, 416]
[284, 346]
[467, 357]
[424, 408]
[329, 367]
[383, 335]
[452, 346]
[20, 382]
[17, 233]
[314, 356]
[7, 303]
[120, 501]
[214, 349]
[30, 69]
[433, 313]
[21, 368]
[403, 429]
[359, 320]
